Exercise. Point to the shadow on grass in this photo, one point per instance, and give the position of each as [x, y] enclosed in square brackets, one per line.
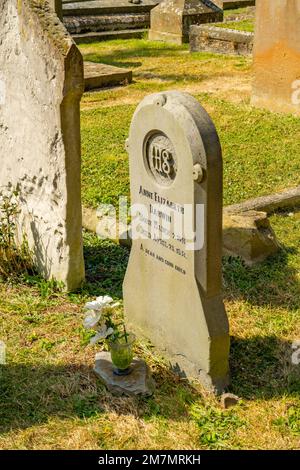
[32, 393]
[172, 77]
[262, 368]
[273, 282]
[105, 264]
[117, 58]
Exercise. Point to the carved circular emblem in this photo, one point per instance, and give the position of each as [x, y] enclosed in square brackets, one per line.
[161, 159]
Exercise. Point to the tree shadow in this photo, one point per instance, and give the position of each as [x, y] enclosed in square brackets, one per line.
[106, 264]
[32, 393]
[118, 56]
[262, 368]
[273, 282]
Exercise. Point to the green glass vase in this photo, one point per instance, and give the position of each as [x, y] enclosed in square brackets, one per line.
[122, 354]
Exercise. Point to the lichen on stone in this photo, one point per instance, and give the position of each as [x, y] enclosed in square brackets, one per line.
[50, 23]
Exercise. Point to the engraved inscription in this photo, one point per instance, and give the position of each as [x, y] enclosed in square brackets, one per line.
[161, 159]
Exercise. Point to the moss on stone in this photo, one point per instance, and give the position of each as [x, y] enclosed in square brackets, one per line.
[50, 24]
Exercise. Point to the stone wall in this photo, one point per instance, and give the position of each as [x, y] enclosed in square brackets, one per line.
[41, 71]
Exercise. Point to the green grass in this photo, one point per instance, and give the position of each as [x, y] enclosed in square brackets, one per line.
[49, 396]
[51, 399]
[244, 25]
[257, 161]
[243, 19]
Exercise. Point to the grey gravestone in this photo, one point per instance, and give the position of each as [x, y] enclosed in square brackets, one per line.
[171, 19]
[171, 292]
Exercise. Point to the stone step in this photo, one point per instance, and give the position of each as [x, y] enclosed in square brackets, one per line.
[99, 23]
[105, 35]
[102, 75]
[104, 7]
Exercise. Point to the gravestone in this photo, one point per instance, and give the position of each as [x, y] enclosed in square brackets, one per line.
[171, 19]
[276, 56]
[56, 5]
[41, 70]
[172, 288]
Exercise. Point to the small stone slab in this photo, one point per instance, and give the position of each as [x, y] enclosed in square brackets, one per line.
[138, 382]
[232, 4]
[102, 75]
[206, 38]
[228, 400]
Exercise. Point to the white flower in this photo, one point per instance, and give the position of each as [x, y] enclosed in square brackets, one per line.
[117, 304]
[104, 300]
[103, 333]
[98, 304]
[91, 320]
[94, 305]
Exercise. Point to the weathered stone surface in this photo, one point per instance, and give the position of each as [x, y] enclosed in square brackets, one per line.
[228, 400]
[42, 71]
[276, 52]
[56, 5]
[138, 382]
[248, 235]
[172, 288]
[225, 41]
[171, 20]
[96, 7]
[102, 75]
[106, 19]
[231, 4]
[102, 23]
[283, 200]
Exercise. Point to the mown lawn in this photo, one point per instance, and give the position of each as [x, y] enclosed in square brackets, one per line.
[49, 396]
[260, 149]
[241, 19]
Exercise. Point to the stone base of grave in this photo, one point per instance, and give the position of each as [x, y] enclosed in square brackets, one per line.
[102, 75]
[171, 20]
[90, 21]
[138, 382]
[206, 38]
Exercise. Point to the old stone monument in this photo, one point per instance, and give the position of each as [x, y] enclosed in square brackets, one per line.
[276, 83]
[172, 288]
[41, 74]
[171, 20]
[57, 7]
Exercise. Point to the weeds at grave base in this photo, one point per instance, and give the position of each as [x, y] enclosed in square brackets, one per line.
[290, 422]
[14, 259]
[216, 427]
